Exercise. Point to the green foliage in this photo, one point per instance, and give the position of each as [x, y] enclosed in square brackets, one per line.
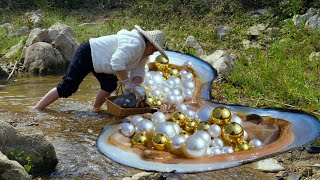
[25, 160]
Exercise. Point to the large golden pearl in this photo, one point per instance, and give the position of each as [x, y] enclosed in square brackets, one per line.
[160, 141]
[232, 133]
[242, 146]
[220, 116]
[139, 139]
[190, 126]
[203, 126]
[179, 118]
[184, 134]
[162, 60]
[173, 72]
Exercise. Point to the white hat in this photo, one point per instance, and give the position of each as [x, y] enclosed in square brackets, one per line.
[156, 38]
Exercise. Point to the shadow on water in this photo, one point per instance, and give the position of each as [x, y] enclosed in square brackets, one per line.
[68, 123]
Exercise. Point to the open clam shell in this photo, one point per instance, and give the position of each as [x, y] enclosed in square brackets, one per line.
[296, 129]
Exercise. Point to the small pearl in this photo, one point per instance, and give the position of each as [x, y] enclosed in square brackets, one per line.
[216, 150]
[217, 142]
[127, 129]
[255, 143]
[227, 149]
[236, 119]
[245, 135]
[181, 107]
[190, 113]
[214, 130]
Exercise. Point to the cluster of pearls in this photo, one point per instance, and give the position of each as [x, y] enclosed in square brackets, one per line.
[167, 85]
[207, 132]
[190, 136]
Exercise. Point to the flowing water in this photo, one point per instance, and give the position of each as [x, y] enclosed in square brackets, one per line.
[68, 123]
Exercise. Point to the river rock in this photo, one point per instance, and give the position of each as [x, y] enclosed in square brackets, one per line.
[3, 73]
[222, 31]
[314, 22]
[12, 169]
[36, 146]
[19, 32]
[62, 38]
[14, 50]
[268, 165]
[6, 26]
[191, 45]
[38, 35]
[221, 61]
[42, 58]
[299, 20]
[256, 29]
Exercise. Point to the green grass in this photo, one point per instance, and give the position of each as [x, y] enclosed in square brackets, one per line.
[280, 75]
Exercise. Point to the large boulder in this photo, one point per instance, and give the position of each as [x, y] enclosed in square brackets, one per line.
[36, 146]
[38, 35]
[63, 39]
[12, 169]
[314, 22]
[42, 58]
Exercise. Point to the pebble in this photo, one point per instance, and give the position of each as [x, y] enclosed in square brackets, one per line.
[268, 165]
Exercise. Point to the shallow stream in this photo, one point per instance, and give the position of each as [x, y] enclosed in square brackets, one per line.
[68, 123]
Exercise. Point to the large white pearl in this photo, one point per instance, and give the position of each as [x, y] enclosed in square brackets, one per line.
[181, 107]
[135, 119]
[144, 125]
[216, 150]
[189, 113]
[227, 149]
[217, 142]
[256, 143]
[158, 79]
[127, 129]
[158, 117]
[209, 151]
[176, 142]
[204, 135]
[165, 128]
[236, 119]
[175, 126]
[204, 113]
[214, 130]
[195, 147]
[245, 135]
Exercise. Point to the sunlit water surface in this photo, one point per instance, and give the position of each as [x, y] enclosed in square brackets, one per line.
[68, 123]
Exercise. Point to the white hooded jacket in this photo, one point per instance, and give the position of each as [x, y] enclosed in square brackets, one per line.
[121, 51]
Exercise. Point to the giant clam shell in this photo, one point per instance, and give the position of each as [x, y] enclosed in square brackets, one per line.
[300, 129]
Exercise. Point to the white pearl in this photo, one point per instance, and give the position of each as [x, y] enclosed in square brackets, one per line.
[216, 150]
[188, 63]
[166, 90]
[175, 126]
[181, 107]
[171, 99]
[186, 93]
[135, 119]
[158, 79]
[183, 72]
[144, 125]
[158, 117]
[177, 142]
[175, 91]
[187, 76]
[188, 85]
[170, 82]
[195, 147]
[177, 81]
[214, 130]
[146, 68]
[236, 119]
[203, 134]
[179, 99]
[165, 128]
[245, 135]
[209, 151]
[217, 142]
[156, 93]
[127, 129]
[256, 143]
[189, 113]
[204, 113]
[227, 149]
[147, 75]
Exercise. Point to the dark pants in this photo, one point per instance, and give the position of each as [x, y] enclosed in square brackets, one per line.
[80, 66]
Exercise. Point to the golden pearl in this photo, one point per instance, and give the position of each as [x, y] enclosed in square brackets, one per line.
[162, 60]
[150, 101]
[220, 116]
[139, 139]
[173, 72]
[242, 146]
[160, 141]
[179, 118]
[184, 134]
[203, 126]
[190, 126]
[158, 102]
[232, 133]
